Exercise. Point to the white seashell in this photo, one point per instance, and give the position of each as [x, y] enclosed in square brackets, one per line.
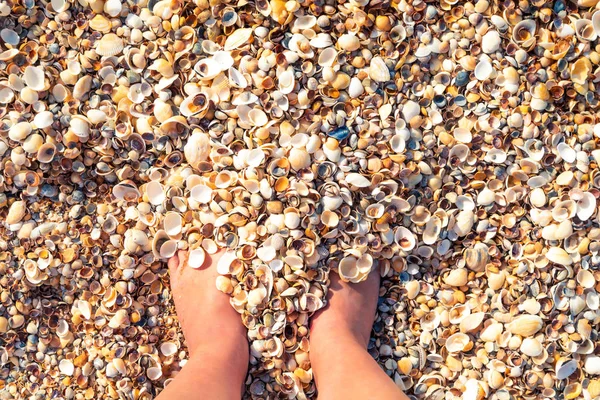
[490, 42]
[109, 45]
[486, 197]
[19, 131]
[172, 223]
[66, 367]
[484, 70]
[286, 81]
[405, 238]
[238, 38]
[33, 143]
[410, 109]
[356, 88]
[60, 5]
[491, 332]
[168, 349]
[34, 78]
[471, 322]
[592, 365]
[16, 212]
[208, 68]
[531, 347]
[566, 152]
[80, 126]
[584, 29]
[457, 277]
[596, 21]
[321, 41]
[586, 206]
[464, 222]
[155, 192]
[586, 279]
[559, 256]
[154, 373]
[525, 325]
[201, 193]
[378, 70]
[357, 180]
[196, 258]
[348, 270]
[348, 42]
[43, 119]
[412, 289]
[266, 253]
[113, 7]
[258, 117]
[225, 262]
[457, 342]
[197, 148]
[462, 135]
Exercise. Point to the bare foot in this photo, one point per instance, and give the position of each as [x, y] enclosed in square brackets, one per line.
[339, 335]
[205, 314]
[350, 310]
[214, 333]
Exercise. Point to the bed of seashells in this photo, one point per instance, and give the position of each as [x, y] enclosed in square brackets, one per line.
[450, 146]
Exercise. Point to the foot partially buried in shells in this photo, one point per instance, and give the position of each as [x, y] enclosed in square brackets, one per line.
[205, 314]
[350, 311]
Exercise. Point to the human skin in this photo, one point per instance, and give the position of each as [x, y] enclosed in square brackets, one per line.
[216, 339]
[214, 333]
[339, 335]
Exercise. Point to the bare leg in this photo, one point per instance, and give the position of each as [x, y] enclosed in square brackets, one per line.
[215, 335]
[339, 336]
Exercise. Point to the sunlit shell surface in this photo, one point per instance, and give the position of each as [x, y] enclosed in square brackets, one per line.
[449, 146]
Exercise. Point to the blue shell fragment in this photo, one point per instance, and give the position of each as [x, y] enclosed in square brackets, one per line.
[339, 133]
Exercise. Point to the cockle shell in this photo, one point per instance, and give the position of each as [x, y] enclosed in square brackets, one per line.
[525, 325]
[378, 70]
[109, 45]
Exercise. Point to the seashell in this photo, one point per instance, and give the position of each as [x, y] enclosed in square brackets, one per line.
[584, 29]
[592, 365]
[378, 70]
[196, 258]
[34, 78]
[172, 223]
[66, 367]
[154, 373]
[208, 68]
[356, 88]
[16, 212]
[596, 21]
[113, 7]
[348, 270]
[525, 325]
[565, 368]
[357, 180]
[464, 222]
[168, 349]
[405, 238]
[19, 131]
[586, 279]
[559, 256]
[163, 246]
[531, 347]
[197, 148]
[109, 45]
[155, 192]
[100, 23]
[483, 70]
[59, 5]
[127, 191]
[471, 322]
[524, 33]
[32, 143]
[457, 342]
[491, 332]
[238, 38]
[457, 277]
[412, 289]
[10, 37]
[580, 71]
[349, 42]
[477, 257]
[586, 206]
[490, 42]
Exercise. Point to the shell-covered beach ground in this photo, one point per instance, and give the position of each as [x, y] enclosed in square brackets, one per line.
[450, 146]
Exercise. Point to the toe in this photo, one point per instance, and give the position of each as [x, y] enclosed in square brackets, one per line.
[173, 263]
